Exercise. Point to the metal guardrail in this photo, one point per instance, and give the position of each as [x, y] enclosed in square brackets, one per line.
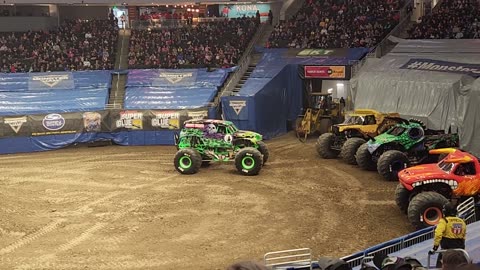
[243, 64]
[465, 210]
[284, 259]
[405, 16]
[157, 24]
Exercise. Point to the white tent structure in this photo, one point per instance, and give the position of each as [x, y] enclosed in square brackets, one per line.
[437, 81]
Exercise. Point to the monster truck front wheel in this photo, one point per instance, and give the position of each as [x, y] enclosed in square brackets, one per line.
[349, 149]
[262, 147]
[425, 209]
[391, 163]
[402, 198]
[324, 146]
[364, 158]
[248, 161]
[187, 161]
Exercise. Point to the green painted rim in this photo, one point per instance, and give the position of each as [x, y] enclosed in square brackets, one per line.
[248, 163]
[185, 162]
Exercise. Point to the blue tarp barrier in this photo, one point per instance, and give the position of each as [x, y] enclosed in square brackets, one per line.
[35, 93]
[168, 98]
[55, 80]
[19, 103]
[272, 97]
[52, 142]
[173, 89]
[177, 78]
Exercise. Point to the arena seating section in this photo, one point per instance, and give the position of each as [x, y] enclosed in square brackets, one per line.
[452, 19]
[76, 45]
[336, 24]
[217, 44]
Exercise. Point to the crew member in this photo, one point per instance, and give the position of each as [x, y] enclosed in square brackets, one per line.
[450, 232]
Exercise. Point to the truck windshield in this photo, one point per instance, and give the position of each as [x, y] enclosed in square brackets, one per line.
[353, 120]
[396, 131]
[445, 166]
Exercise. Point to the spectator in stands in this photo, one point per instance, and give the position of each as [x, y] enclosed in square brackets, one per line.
[452, 19]
[337, 24]
[385, 262]
[217, 44]
[453, 258]
[76, 45]
[450, 232]
[247, 265]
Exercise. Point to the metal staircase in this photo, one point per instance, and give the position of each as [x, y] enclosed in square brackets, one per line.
[117, 93]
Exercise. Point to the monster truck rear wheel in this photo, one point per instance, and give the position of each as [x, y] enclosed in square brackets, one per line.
[425, 209]
[402, 198]
[364, 158]
[187, 161]
[324, 146]
[349, 149]
[262, 147]
[390, 163]
[248, 161]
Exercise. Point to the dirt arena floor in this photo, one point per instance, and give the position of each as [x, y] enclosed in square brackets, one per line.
[120, 207]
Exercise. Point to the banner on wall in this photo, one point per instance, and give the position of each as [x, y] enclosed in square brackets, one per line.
[96, 121]
[442, 66]
[173, 77]
[247, 10]
[325, 72]
[54, 80]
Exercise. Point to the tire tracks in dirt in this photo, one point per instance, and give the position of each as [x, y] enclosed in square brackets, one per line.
[85, 235]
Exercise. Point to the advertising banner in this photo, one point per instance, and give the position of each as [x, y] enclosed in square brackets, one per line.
[442, 66]
[53, 80]
[175, 77]
[247, 10]
[324, 72]
[96, 121]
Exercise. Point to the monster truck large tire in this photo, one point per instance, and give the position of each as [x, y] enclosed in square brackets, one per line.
[325, 126]
[187, 161]
[425, 209]
[364, 158]
[402, 198]
[349, 149]
[324, 146]
[262, 147]
[249, 161]
[390, 163]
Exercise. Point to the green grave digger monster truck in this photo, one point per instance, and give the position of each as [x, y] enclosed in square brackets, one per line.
[405, 144]
[358, 127]
[203, 141]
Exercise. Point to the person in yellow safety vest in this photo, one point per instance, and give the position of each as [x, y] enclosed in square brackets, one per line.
[450, 232]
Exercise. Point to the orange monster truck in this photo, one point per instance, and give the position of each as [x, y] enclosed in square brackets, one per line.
[424, 189]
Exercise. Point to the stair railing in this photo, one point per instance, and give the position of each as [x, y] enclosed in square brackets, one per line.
[243, 64]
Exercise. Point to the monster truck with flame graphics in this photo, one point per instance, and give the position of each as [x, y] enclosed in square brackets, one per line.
[206, 140]
[424, 189]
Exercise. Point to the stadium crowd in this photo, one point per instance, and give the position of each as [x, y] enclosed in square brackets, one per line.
[217, 44]
[75, 45]
[453, 19]
[337, 24]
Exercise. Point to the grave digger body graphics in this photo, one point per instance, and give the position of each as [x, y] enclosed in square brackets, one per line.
[405, 144]
[359, 126]
[424, 189]
[203, 141]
